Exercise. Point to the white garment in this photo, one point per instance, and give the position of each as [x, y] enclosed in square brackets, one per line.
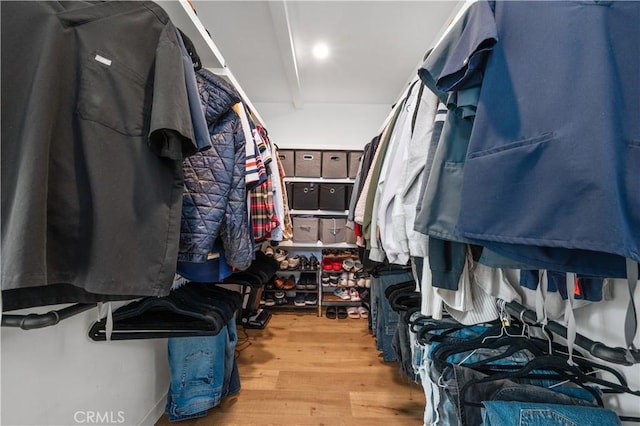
[500, 283]
[413, 243]
[251, 149]
[278, 203]
[389, 183]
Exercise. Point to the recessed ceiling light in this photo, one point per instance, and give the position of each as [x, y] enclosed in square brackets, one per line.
[320, 51]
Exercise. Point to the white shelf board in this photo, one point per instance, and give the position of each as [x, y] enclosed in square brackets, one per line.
[320, 212]
[320, 179]
[319, 244]
[184, 18]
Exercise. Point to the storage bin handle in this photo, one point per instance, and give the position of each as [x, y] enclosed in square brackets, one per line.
[305, 228]
[334, 231]
[334, 158]
[307, 157]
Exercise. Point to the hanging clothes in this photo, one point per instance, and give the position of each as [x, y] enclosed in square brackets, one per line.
[214, 199]
[90, 149]
[545, 184]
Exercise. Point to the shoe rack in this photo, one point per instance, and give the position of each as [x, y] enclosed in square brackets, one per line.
[296, 284]
[288, 282]
[342, 279]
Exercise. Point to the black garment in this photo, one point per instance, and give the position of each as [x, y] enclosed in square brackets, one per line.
[95, 123]
[367, 158]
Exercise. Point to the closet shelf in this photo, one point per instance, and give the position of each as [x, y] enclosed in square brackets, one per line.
[331, 300]
[319, 179]
[184, 17]
[320, 212]
[318, 244]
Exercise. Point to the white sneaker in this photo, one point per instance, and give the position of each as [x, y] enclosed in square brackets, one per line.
[354, 295]
[342, 293]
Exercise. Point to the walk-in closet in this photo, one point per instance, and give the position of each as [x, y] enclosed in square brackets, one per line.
[301, 212]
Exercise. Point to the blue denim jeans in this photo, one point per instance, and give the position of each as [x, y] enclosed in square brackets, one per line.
[202, 372]
[498, 390]
[385, 320]
[507, 413]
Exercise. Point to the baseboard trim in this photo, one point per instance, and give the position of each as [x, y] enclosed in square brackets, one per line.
[155, 413]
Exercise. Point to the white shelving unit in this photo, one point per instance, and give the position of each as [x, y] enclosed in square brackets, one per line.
[320, 212]
[317, 246]
[318, 180]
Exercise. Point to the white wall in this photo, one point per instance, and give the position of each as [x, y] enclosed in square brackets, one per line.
[55, 375]
[604, 322]
[334, 126]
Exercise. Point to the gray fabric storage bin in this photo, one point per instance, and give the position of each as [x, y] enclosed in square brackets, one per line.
[332, 197]
[305, 196]
[334, 164]
[286, 157]
[308, 163]
[305, 229]
[354, 162]
[333, 231]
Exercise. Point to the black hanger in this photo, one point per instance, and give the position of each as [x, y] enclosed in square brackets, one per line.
[194, 309]
[559, 365]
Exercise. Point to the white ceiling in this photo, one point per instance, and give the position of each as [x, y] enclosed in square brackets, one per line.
[376, 46]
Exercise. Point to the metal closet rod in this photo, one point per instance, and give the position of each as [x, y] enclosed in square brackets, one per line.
[33, 321]
[598, 349]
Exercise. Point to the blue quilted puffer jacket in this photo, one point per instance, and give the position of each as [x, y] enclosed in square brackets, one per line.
[214, 201]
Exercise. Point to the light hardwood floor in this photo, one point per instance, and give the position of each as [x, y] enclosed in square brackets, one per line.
[308, 370]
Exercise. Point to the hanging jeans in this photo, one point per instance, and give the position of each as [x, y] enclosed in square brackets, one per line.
[202, 372]
[507, 413]
[384, 319]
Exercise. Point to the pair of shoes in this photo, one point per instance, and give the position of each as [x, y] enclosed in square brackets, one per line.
[299, 300]
[280, 254]
[293, 262]
[307, 281]
[336, 312]
[330, 264]
[279, 282]
[289, 283]
[342, 293]
[325, 279]
[357, 312]
[311, 299]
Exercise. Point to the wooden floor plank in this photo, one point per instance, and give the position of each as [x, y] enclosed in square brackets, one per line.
[306, 370]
